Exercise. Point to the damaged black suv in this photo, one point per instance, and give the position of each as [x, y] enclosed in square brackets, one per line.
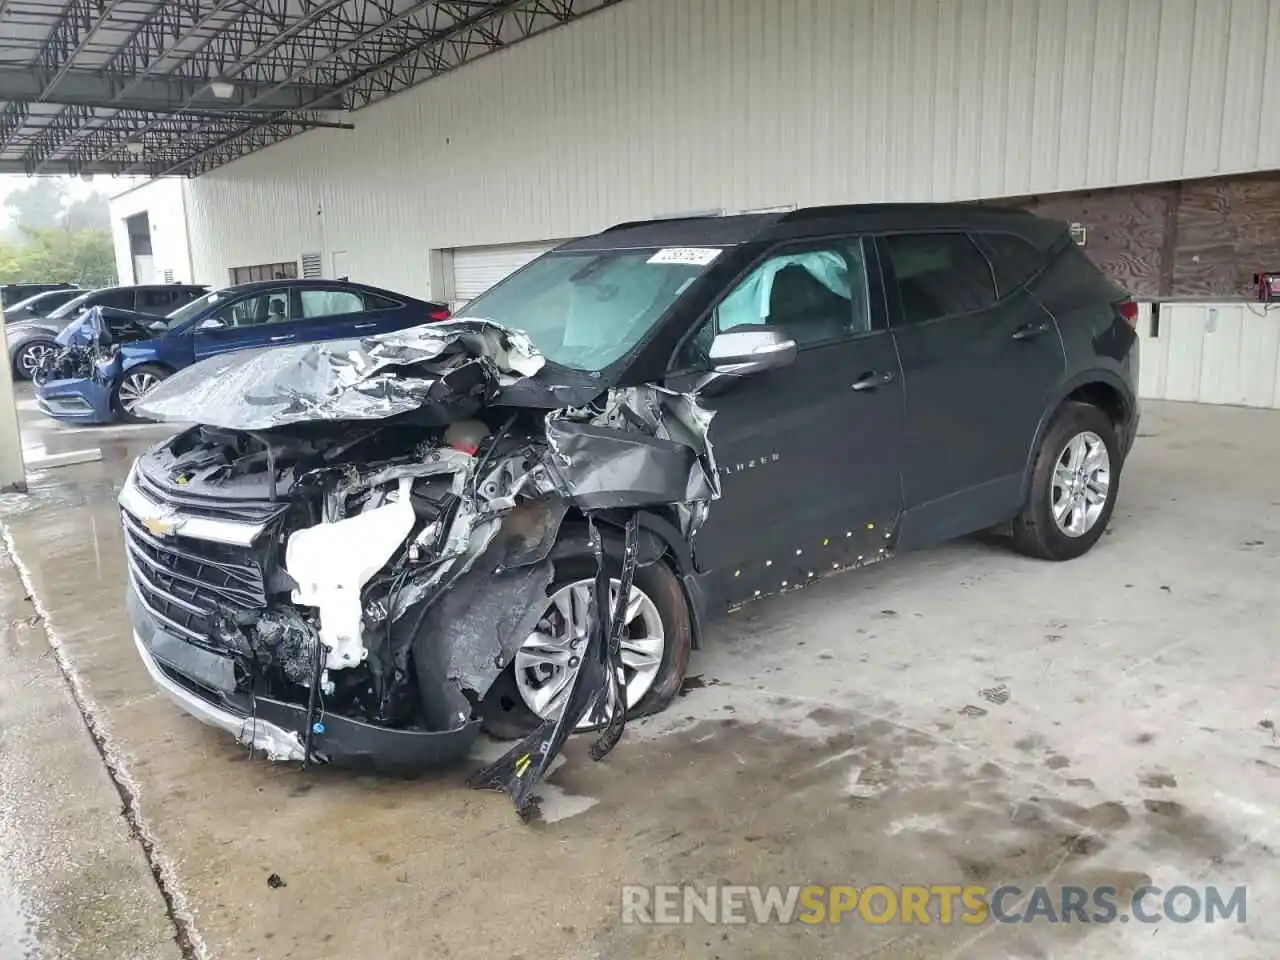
[524, 517]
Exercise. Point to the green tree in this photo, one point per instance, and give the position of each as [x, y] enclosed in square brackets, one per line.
[38, 206]
[84, 257]
[91, 213]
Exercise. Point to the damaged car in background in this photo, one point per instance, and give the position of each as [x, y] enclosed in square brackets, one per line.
[108, 359]
[521, 519]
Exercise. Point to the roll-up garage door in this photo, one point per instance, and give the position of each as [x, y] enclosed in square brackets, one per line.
[476, 269]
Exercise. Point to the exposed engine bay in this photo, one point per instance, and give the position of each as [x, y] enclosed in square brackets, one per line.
[91, 344]
[405, 494]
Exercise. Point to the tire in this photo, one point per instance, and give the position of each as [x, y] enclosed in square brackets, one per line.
[135, 375]
[504, 711]
[25, 356]
[1036, 531]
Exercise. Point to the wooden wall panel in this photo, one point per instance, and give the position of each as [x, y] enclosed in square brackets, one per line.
[1228, 230]
[1125, 229]
[1197, 239]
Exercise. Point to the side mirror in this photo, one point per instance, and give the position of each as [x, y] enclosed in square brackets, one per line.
[158, 326]
[747, 350]
[212, 323]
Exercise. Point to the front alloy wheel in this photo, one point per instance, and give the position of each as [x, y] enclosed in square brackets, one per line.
[547, 662]
[134, 386]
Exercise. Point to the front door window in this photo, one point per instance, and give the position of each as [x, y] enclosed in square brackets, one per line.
[818, 296]
[270, 306]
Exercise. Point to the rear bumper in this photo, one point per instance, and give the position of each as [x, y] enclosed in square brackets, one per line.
[202, 683]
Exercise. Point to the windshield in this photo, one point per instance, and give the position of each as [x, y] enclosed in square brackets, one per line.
[193, 309]
[588, 310]
[69, 308]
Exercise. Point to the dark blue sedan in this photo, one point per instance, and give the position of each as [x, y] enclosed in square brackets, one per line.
[110, 359]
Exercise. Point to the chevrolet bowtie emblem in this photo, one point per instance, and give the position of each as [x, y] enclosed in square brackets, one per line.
[163, 524]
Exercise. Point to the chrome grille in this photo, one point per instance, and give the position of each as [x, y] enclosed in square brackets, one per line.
[203, 505]
[184, 581]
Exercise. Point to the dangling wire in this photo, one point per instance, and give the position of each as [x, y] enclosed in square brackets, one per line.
[311, 700]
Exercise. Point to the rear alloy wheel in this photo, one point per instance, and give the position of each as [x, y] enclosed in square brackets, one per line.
[31, 355]
[133, 386]
[1073, 488]
[1081, 484]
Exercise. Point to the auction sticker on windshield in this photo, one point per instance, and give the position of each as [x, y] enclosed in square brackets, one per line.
[688, 256]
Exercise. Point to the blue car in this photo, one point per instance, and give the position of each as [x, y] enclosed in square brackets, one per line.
[109, 359]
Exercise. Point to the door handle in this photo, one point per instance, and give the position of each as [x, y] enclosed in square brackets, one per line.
[1029, 330]
[870, 380]
[287, 336]
[363, 326]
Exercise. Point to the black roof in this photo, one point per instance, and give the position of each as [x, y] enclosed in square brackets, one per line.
[726, 231]
[251, 285]
[285, 282]
[148, 286]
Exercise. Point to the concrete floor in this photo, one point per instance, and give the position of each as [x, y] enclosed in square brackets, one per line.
[957, 716]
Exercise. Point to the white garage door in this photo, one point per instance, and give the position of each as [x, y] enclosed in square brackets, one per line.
[476, 269]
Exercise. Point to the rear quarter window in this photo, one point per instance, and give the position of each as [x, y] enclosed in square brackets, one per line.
[1013, 260]
[375, 301]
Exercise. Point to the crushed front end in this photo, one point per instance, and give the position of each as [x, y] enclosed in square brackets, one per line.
[77, 383]
[342, 569]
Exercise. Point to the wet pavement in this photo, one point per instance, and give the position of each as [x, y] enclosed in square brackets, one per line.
[959, 716]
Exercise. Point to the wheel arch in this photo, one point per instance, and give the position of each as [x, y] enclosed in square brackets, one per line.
[43, 336]
[132, 363]
[1098, 388]
[661, 541]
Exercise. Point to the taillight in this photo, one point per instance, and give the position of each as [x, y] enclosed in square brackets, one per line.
[438, 315]
[1128, 311]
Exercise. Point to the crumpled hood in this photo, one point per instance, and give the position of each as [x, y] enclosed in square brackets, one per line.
[93, 327]
[442, 371]
[87, 330]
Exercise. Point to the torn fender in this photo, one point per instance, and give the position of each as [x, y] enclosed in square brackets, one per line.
[464, 634]
[649, 446]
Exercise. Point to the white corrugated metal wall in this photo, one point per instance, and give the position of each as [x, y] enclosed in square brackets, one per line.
[1227, 353]
[656, 105]
[162, 200]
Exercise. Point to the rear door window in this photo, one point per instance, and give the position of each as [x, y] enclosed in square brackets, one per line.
[122, 299]
[155, 300]
[329, 303]
[939, 275]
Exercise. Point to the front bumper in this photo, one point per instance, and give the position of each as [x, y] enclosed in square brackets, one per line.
[76, 401]
[202, 683]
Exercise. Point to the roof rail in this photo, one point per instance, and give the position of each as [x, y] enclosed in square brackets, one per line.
[698, 215]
